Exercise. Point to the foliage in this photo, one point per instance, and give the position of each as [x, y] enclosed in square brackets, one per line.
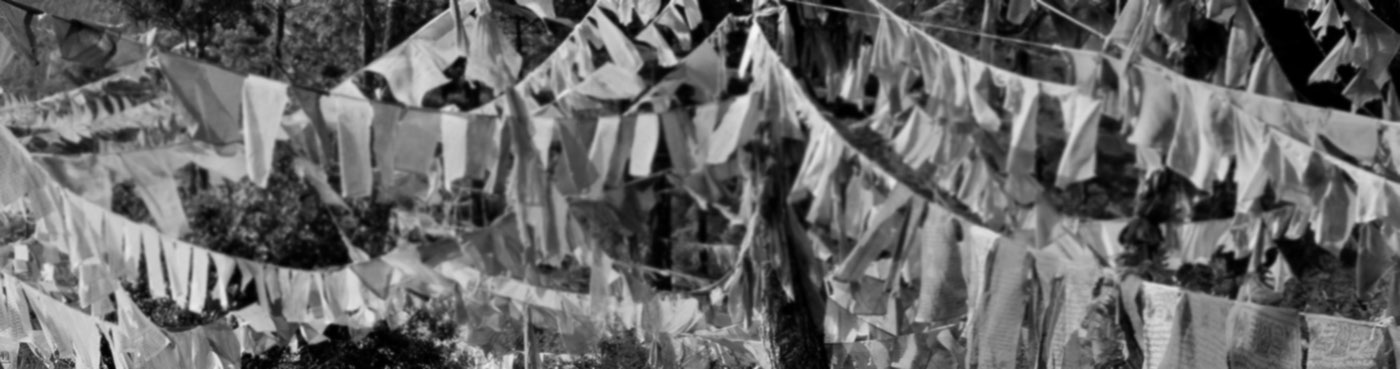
[196, 20]
[421, 344]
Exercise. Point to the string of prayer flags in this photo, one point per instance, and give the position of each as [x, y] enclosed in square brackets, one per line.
[61, 329]
[307, 298]
[1194, 128]
[995, 272]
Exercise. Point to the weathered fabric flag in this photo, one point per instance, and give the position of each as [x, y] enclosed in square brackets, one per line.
[263, 102]
[1198, 339]
[1337, 343]
[1159, 313]
[998, 331]
[1264, 337]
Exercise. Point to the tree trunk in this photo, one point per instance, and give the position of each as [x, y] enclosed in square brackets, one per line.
[795, 335]
[281, 34]
[393, 23]
[367, 22]
[660, 250]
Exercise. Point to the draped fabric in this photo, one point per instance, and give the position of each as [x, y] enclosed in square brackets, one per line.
[210, 94]
[965, 263]
[263, 103]
[351, 119]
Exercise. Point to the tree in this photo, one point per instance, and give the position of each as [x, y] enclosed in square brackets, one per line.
[197, 22]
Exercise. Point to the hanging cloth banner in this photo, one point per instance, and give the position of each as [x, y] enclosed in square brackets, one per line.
[210, 94]
[263, 103]
[1081, 116]
[413, 69]
[998, 328]
[1264, 337]
[1199, 333]
[351, 118]
[84, 44]
[1336, 343]
[7, 53]
[1160, 310]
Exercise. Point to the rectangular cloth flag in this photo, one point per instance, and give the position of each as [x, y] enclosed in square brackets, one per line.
[998, 331]
[1264, 337]
[1159, 312]
[352, 118]
[7, 53]
[1198, 337]
[1337, 343]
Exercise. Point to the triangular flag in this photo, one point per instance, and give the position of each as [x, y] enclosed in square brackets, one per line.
[142, 338]
[1020, 162]
[223, 269]
[263, 103]
[177, 268]
[736, 127]
[620, 47]
[1081, 116]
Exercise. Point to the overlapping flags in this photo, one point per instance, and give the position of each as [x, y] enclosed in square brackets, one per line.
[988, 280]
